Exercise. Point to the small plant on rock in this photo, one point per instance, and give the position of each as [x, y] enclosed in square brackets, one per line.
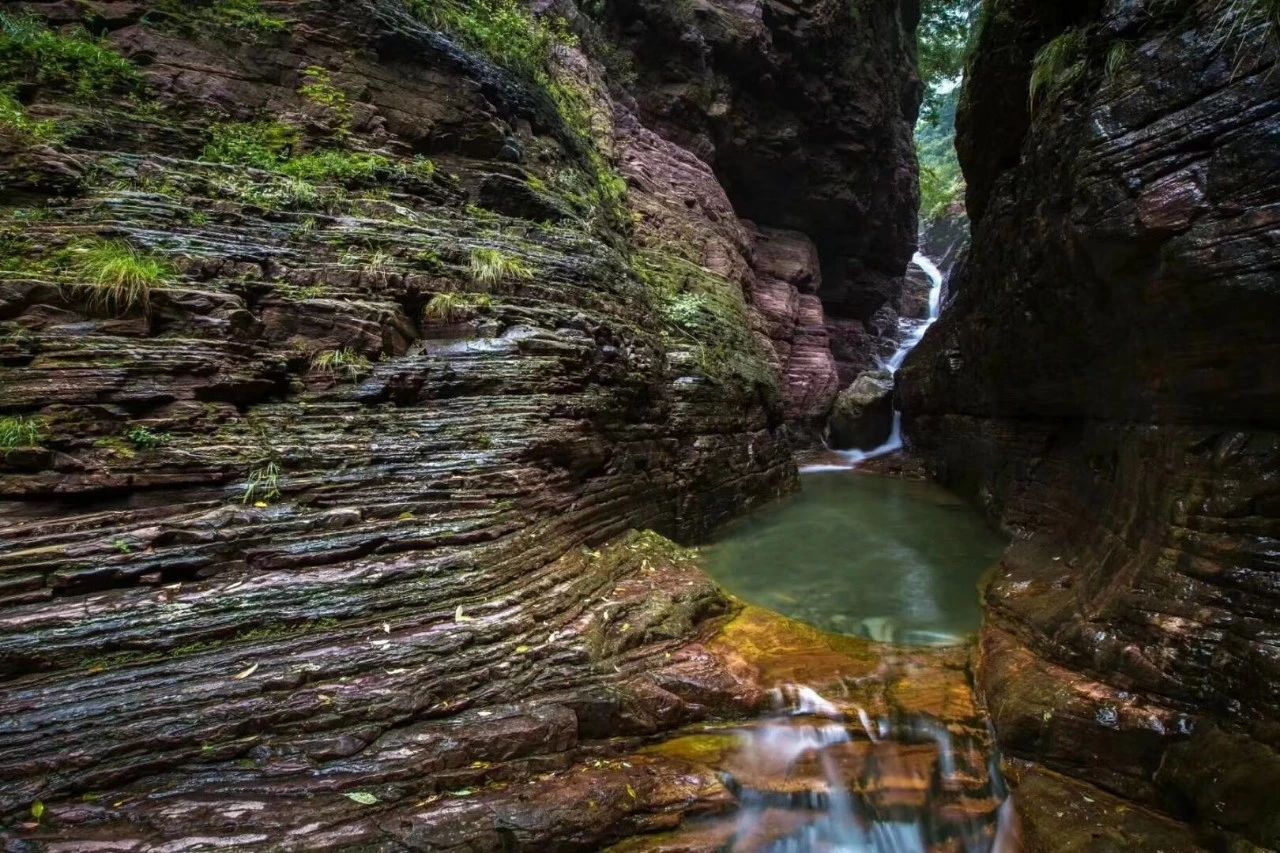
[246, 15]
[341, 361]
[21, 432]
[263, 485]
[455, 307]
[118, 276]
[260, 145]
[145, 439]
[1057, 65]
[319, 90]
[15, 123]
[489, 266]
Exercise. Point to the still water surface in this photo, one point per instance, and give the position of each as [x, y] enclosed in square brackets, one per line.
[894, 560]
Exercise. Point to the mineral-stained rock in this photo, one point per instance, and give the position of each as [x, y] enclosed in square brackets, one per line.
[788, 275]
[1107, 384]
[329, 530]
[862, 418]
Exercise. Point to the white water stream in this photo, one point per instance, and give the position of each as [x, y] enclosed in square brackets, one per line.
[810, 738]
[912, 332]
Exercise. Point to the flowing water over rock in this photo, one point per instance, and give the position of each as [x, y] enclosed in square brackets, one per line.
[911, 332]
[851, 768]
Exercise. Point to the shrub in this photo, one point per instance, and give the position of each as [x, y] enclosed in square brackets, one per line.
[455, 307]
[15, 122]
[74, 61]
[21, 432]
[344, 360]
[260, 145]
[490, 265]
[118, 276]
[1057, 65]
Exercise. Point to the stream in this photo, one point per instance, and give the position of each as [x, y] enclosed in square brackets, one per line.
[853, 769]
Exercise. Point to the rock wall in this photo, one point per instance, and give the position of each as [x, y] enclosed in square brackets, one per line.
[336, 362]
[805, 111]
[1106, 382]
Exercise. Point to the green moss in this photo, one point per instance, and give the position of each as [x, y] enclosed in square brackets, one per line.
[526, 44]
[71, 61]
[319, 90]
[260, 145]
[15, 123]
[706, 315]
[21, 432]
[245, 15]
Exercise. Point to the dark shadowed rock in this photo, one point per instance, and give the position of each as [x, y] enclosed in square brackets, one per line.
[1106, 383]
[862, 418]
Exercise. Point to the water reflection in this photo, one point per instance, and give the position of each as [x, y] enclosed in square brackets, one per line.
[896, 561]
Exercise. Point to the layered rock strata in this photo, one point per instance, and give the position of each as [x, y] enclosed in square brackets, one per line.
[337, 361]
[805, 111]
[1105, 383]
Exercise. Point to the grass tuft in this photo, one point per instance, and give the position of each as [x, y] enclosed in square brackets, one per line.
[455, 307]
[341, 361]
[263, 485]
[119, 278]
[1057, 65]
[21, 432]
[489, 266]
[245, 15]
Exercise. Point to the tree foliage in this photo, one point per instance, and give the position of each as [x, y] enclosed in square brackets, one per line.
[945, 39]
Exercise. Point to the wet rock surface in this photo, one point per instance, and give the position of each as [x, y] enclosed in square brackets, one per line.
[862, 417]
[805, 111]
[1104, 383]
[322, 542]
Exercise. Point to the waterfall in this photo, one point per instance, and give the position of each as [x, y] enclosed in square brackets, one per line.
[912, 332]
[815, 778]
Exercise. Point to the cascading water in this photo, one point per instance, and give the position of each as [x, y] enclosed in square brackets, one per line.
[817, 777]
[912, 332]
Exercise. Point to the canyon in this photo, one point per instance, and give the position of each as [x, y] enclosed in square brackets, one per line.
[356, 512]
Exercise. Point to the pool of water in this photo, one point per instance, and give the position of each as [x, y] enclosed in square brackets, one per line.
[894, 560]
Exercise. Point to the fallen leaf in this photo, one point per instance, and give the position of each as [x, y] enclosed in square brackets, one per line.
[458, 617]
[386, 627]
[260, 505]
[462, 792]
[631, 792]
[37, 810]
[522, 650]
[248, 672]
[364, 798]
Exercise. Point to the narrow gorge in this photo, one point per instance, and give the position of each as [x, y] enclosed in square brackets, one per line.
[478, 425]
